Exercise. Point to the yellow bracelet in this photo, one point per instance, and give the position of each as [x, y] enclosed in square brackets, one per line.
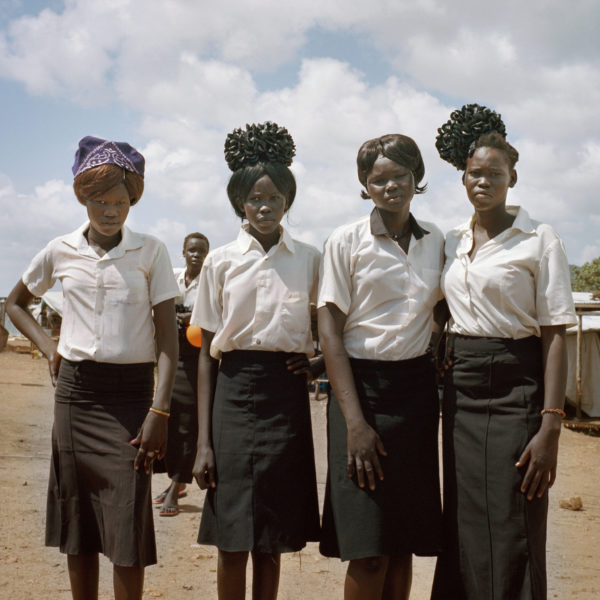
[157, 411]
[556, 411]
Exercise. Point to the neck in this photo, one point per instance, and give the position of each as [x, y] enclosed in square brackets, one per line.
[495, 221]
[396, 223]
[95, 238]
[191, 272]
[267, 241]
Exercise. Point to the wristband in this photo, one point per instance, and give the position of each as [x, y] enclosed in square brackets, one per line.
[556, 411]
[157, 411]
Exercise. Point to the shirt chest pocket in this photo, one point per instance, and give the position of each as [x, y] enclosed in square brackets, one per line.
[427, 286]
[295, 312]
[125, 286]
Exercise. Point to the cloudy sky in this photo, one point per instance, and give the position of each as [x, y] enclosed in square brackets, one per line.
[172, 77]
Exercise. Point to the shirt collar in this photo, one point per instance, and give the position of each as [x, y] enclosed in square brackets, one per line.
[129, 241]
[245, 240]
[522, 221]
[378, 226]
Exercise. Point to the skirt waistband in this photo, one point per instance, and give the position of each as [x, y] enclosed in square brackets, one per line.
[257, 356]
[490, 345]
[375, 365]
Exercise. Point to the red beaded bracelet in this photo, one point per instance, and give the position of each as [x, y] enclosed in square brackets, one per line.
[556, 411]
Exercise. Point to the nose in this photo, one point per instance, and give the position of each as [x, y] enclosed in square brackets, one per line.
[110, 210]
[483, 181]
[392, 184]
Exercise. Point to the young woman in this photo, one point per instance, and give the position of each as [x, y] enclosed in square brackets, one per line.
[507, 284]
[118, 291]
[379, 286]
[255, 451]
[183, 422]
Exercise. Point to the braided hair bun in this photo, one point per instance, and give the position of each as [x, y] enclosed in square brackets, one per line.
[259, 143]
[456, 138]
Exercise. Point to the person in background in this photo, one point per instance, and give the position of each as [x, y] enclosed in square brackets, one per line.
[378, 291]
[255, 449]
[507, 284]
[110, 422]
[183, 422]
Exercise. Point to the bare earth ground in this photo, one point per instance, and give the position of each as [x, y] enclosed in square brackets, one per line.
[186, 570]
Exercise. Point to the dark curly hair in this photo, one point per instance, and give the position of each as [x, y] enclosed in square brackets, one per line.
[472, 127]
[397, 147]
[261, 149]
[101, 179]
[195, 236]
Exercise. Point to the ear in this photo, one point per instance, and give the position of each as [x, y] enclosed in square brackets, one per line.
[463, 177]
[513, 178]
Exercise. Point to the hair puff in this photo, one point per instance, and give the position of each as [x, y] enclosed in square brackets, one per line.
[259, 143]
[456, 137]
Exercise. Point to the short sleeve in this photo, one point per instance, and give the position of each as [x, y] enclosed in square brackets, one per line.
[335, 282]
[208, 309]
[39, 275]
[163, 284]
[554, 299]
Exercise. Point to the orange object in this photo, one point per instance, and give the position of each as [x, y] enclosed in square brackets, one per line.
[194, 335]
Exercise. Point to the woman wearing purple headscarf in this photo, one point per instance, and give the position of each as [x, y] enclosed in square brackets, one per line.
[109, 422]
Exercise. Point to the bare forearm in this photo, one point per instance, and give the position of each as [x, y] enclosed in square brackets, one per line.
[207, 379]
[554, 354]
[167, 347]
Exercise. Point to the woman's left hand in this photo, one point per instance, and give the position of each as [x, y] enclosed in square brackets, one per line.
[540, 456]
[300, 364]
[152, 441]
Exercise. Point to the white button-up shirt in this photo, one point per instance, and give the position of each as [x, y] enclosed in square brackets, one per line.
[187, 293]
[257, 300]
[517, 282]
[108, 300]
[386, 294]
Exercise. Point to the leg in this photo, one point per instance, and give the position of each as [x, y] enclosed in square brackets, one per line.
[365, 578]
[231, 575]
[170, 506]
[128, 582]
[398, 578]
[83, 574]
[265, 576]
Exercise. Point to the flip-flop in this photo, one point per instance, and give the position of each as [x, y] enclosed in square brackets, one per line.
[161, 497]
[169, 511]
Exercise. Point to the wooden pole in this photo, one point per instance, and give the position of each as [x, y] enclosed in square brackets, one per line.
[578, 390]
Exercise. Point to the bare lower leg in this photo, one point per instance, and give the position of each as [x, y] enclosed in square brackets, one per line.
[171, 501]
[83, 574]
[128, 582]
[265, 576]
[231, 575]
[365, 578]
[398, 578]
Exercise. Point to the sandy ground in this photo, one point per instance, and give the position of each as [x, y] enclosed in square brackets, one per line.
[187, 570]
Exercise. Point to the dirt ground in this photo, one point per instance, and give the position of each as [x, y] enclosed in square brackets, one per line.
[187, 570]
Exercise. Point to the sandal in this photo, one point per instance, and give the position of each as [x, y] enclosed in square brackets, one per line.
[161, 497]
[169, 511]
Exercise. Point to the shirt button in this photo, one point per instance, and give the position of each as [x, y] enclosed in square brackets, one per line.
[258, 342]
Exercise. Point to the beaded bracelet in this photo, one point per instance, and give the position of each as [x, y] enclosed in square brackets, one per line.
[157, 411]
[556, 411]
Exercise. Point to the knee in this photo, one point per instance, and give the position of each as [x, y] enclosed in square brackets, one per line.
[231, 560]
[372, 565]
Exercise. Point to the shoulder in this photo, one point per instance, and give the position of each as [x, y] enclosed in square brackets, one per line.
[306, 250]
[349, 232]
[435, 233]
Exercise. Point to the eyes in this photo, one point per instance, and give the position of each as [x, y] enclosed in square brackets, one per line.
[257, 200]
[103, 203]
[382, 179]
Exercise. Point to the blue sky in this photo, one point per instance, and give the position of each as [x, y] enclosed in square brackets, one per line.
[172, 78]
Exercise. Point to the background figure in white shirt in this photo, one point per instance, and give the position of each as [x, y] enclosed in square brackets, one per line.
[118, 289]
[507, 284]
[183, 422]
[255, 450]
[378, 290]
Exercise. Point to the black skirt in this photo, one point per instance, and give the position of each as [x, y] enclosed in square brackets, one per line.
[495, 538]
[97, 502]
[266, 494]
[183, 422]
[403, 514]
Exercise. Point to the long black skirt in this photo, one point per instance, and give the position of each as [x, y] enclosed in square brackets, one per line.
[183, 423]
[97, 502]
[266, 494]
[495, 538]
[403, 514]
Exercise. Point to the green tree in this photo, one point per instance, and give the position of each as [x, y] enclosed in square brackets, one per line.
[587, 277]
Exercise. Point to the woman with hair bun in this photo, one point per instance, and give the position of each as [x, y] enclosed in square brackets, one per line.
[118, 289]
[507, 284]
[378, 293]
[255, 451]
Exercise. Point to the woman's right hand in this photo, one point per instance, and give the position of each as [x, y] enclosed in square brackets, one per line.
[364, 447]
[54, 359]
[204, 468]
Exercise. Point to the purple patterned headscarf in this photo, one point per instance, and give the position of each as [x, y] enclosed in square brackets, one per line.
[93, 152]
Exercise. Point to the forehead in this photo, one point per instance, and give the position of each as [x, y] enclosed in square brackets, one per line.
[116, 193]
[383, 165]
[491, 158]
[195, 244]
[264, 185]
